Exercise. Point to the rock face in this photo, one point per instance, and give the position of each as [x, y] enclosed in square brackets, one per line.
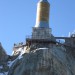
[44, 61]
[3, 60]
[51, 60]
[3, 54]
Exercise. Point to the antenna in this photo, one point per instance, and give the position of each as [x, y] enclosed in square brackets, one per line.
[69, 34]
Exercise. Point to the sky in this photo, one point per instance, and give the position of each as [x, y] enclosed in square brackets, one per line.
[17, 17]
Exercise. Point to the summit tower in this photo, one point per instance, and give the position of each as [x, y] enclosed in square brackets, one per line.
[42, 19]
[41, 30]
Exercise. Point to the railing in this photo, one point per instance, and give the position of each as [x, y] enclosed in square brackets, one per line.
[38, 37]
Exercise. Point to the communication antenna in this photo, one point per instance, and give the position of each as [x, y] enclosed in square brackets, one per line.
[69, 34]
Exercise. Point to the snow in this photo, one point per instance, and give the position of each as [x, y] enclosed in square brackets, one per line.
[11, 62]
[1, 67]
[12, 53]
[41, 48]
[1, 74]
[21, 51]
[5, 73]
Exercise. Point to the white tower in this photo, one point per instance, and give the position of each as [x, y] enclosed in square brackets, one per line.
[41, 29]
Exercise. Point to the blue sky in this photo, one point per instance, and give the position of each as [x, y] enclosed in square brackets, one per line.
[17, 17]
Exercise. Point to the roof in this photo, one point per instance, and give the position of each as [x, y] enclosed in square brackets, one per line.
[43, 1]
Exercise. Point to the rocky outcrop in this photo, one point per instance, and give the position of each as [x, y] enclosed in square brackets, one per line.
[52, 59]
[3, 60]
[44, 61]
[3, 54]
